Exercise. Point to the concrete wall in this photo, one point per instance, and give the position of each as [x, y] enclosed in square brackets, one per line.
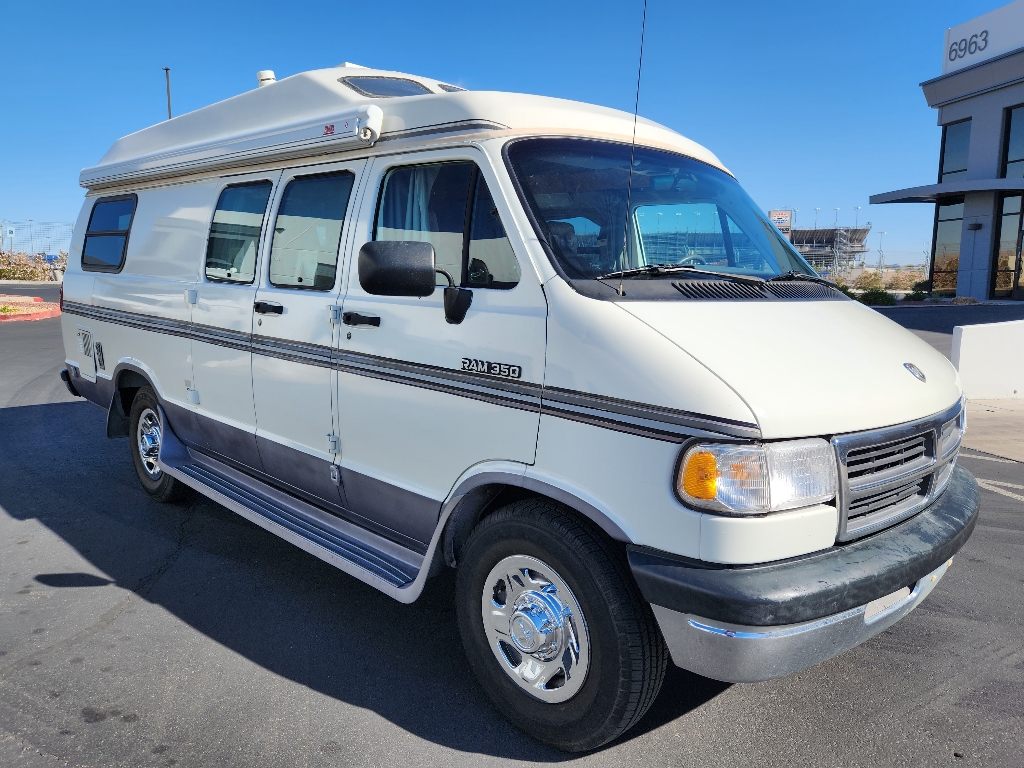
[989, 360]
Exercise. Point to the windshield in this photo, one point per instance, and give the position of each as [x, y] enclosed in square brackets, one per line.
[681, 212]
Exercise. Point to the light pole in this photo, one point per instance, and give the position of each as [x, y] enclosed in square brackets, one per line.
[167, 76]
[837, 217]
[881, 253]
[856, 216]
[795, 212]
[31, 240]
[816, 217]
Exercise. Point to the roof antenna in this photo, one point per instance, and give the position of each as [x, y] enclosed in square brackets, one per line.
[632, 149]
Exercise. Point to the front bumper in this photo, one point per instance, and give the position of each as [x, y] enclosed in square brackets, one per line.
[751, 623]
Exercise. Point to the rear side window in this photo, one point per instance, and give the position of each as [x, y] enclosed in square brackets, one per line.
[235, 232]
[106, 238]
[307, 232]
[449, 206]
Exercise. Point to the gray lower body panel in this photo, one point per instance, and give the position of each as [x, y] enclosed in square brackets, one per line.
[746, 654]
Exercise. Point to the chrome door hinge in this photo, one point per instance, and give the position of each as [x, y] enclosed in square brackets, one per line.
[193, 395]
[334, 314]
[191, 295]
[332, 444]
[336, 475]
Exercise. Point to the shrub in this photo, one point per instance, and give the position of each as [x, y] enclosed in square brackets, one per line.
[924, 286]
[867, 281]
[916, 296]
[877, 297]
[21, 266]
[903, 281]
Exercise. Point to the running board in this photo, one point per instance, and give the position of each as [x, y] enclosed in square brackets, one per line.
[377, 561]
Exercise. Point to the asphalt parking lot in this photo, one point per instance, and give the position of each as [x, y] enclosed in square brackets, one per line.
[137, 634]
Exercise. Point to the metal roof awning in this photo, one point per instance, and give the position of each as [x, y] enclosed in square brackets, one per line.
[931, 193]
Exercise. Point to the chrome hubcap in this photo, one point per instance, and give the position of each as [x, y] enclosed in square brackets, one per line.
[148, 436]
[536, 628]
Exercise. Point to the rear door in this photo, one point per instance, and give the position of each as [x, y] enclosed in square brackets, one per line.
[293, 335]
[421, 400]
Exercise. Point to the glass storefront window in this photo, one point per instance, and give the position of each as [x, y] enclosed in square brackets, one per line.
[1014, 159]
[956, 139]
[949, 217]
[1007, 253]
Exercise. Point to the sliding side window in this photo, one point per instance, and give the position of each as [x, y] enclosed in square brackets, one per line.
[235, 232]
[106, 238]
[449, 206]
[307, 232]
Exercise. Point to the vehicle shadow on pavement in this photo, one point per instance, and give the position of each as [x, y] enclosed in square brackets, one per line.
[259, 596]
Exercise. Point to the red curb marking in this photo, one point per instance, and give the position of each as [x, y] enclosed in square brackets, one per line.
[46, 313]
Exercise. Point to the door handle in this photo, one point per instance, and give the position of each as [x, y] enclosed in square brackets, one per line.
[354, 318]
[268, 308]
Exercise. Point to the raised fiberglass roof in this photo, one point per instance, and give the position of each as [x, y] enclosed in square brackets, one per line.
[332, 110]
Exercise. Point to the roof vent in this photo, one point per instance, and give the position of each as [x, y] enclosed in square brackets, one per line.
[350, 65]
[265, 77]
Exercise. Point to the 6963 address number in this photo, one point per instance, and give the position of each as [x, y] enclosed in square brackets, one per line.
[967, 46]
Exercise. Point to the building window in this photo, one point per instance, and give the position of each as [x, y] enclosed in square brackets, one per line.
[956, 139]
[1013, 155]
[1007, 256]
[949, 218]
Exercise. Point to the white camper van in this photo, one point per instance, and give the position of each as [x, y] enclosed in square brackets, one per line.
[408, 327]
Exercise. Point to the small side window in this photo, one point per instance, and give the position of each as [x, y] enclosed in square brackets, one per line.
[492, 262]
[307, 232]
[449, 206]
[106, 237]
[235, 232]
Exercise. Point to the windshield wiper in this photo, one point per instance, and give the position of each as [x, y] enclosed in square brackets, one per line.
[794, 275]
[669, 269]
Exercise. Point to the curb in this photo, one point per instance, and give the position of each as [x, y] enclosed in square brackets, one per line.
[46, 313]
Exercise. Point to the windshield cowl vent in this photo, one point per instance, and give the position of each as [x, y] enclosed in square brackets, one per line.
[710, 290]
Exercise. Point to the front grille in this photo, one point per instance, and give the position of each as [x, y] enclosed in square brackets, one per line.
[887, 457]
[888, 475]
[883, 501]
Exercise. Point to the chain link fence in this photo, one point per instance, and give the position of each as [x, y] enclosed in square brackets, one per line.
[36, 238]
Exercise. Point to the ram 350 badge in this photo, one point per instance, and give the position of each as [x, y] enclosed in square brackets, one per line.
[492, 369]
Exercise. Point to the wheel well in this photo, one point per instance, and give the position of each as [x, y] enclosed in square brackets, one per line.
[485, 500]
[127, 385]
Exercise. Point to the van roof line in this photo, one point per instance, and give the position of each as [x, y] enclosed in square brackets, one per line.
[306, 114]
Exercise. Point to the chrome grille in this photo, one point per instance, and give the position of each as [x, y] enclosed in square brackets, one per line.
[888, 475]
[896, 455]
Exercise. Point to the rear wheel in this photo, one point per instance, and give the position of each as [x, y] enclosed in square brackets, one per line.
[146, 433]
[555, 628]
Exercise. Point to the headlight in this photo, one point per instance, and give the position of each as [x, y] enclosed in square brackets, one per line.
[755, 479]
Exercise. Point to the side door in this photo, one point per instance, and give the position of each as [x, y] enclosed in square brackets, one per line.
[421, 400]
[222, 320]
[293, 333]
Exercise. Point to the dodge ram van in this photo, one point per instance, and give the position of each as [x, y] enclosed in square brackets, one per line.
[408, 327]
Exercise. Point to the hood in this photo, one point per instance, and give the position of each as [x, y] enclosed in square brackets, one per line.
[808, 368]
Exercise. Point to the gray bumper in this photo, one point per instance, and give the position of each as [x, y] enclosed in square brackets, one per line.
[746, 654]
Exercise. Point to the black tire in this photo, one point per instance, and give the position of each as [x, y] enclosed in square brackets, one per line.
[628, 655]
[159, 485]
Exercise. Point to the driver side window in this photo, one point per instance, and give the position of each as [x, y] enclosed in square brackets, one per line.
[449, 206]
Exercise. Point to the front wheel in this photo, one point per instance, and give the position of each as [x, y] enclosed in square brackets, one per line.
[555, 628]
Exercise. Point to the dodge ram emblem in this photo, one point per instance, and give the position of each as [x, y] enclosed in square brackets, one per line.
[916, 371]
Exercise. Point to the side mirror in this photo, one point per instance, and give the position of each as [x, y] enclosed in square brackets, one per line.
[397, 268]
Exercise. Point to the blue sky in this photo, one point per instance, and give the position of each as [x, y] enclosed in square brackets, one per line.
[810, 104]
